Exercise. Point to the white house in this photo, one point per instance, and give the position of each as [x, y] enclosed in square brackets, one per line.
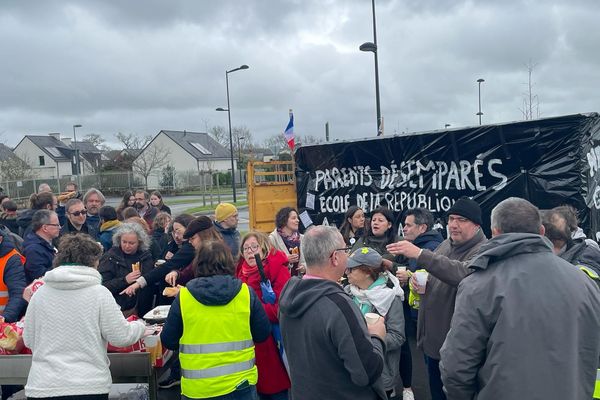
[50, 157]
[47, 156]
[188, 152]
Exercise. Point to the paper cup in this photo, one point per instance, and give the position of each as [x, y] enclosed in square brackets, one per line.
[160, 262]
[421, 277]
[372, 318]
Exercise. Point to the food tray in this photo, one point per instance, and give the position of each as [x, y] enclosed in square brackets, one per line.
[157, 314]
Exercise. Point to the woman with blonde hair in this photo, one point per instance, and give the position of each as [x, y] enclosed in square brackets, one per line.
[273, 381]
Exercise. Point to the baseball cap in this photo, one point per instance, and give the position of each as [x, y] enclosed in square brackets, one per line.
[364, 256]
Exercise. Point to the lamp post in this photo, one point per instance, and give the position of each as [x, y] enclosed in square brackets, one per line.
[240, 157]
[372, 47]
[229, 120]
[479, 82]
[76, 151]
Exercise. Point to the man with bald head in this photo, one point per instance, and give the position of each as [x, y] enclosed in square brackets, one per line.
[526, 322]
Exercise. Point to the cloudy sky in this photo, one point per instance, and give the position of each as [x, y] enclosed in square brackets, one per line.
[142, 66]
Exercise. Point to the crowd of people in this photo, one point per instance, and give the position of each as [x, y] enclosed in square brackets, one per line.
[326, 314]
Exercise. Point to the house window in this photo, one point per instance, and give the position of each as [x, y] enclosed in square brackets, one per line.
[42, 161]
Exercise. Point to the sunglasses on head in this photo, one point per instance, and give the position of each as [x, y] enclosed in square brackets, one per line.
[78, 213]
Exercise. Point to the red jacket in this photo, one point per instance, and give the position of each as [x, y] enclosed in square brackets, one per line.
[272, 376]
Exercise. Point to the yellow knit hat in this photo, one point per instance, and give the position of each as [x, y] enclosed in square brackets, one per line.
[224, 211]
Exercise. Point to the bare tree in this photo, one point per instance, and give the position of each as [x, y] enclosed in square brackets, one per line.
[133, 141]
[15, 168]
[220, 134]
[97, 140]
[276, 143]
[531, 102]
[150, 160]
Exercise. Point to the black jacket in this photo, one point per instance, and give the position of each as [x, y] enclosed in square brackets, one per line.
[69, 228]
[24, 222]
[113, 268]
[39, 255]
[580, 253]
[429, 240]
[215, 291]
[184, 256]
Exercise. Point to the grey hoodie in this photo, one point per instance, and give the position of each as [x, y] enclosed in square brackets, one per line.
[329, 349]
[526, 325]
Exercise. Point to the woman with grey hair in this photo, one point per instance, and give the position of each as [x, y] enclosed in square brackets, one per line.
[127, 260]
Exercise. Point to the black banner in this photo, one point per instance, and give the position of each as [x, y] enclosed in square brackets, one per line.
[550, 162]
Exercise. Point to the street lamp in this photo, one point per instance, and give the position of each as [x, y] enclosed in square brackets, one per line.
[372, 47]
[229, 119]
[76, 151]
[240, 157]
[480, 81]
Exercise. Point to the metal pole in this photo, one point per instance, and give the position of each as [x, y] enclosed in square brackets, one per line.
[479, 103]
[239, 159]
[230, 138]
[377, 100]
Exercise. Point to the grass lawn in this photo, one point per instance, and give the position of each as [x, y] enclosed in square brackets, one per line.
[211, 208]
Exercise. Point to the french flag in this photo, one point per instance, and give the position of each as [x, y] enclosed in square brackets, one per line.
[289, 131]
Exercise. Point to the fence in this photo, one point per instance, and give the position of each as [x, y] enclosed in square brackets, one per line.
[116, 183]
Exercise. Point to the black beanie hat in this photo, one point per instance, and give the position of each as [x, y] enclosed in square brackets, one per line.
[467, 208]
[199, 224]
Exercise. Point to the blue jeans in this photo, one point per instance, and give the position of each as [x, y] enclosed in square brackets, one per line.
[435, 379]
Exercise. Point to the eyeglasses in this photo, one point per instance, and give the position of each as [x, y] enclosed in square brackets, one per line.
[252, 247]
[78, 213]
[344, 249]
[56, 225]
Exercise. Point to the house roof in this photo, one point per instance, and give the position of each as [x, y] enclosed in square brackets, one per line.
[85, 147]
[5, 153]
[49, 143]
[199, 144]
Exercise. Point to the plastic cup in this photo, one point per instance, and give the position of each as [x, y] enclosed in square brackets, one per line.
[371, 318]
[421, 277]
[160, 262]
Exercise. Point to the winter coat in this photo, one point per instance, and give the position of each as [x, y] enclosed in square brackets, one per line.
[24, 222]
[9, 221]
[272, 376]
[165, 208]
[447, 266]
[39, 254]
[14, 279]
[68, 228]
[329, 349]
[160, 239]
[231, 236]
[70, 320]
[378, 243]
[580, 253]
[394, 336]
[429, 240]
[278, 243]
[93, 225]
[114, 267]
[106, 233]
[526, 325]
[184, 256]
[214, 291]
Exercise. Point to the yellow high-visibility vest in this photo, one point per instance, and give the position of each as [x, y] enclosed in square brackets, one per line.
[216, 350]
[597, 388]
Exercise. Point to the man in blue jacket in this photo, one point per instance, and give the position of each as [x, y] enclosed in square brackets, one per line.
[37, 246]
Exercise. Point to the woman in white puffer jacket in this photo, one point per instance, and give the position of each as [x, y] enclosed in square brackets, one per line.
[69, 321]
